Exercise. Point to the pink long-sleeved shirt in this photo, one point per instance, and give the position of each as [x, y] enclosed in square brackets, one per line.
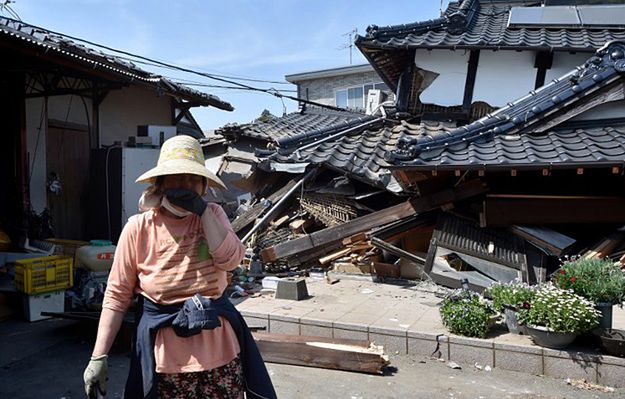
[168, 261]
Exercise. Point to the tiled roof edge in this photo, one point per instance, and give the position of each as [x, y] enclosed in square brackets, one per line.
[606, 66]
[456, 22]
[69, 48]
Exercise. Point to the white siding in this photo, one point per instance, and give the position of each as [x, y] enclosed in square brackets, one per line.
[503, 76]
[448, 88]
[123, 110]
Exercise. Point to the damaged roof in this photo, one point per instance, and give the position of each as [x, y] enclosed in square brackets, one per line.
[526, 132]
[361, 153]
[55, 44]
[475, 24]
[295, 128]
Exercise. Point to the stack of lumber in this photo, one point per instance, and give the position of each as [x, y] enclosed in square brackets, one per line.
[359, 256]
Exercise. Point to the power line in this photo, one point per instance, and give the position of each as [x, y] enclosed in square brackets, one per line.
[270, 91]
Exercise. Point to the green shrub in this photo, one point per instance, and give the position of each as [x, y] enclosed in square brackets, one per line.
[514, 293]
[466, 313]
[594, 279]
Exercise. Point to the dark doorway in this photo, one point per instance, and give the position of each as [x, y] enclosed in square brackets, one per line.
[67, 162]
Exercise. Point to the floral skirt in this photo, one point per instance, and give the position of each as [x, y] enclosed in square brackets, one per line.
[225, 382]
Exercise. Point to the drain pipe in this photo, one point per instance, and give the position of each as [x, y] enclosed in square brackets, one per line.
[276, 206]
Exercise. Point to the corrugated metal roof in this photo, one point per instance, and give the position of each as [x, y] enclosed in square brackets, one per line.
[63, 46]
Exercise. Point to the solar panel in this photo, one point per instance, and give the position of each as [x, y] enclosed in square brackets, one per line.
[568, 16]
[602, 15]
[543, 16]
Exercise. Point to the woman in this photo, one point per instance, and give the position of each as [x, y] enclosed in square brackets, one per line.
[179, 247]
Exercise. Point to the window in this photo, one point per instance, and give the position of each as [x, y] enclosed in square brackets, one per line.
[355, 97]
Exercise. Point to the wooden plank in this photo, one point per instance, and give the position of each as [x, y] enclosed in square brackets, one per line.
[396, 251]
[541, 210]
[329, 258]
[251, 214]
[355, 238]
[549, 240]
[329, 353]
[605, 247]
[364, 223]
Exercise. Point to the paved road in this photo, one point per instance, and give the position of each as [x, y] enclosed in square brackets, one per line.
[46, 360]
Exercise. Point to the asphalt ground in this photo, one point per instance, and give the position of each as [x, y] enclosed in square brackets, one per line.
[46, 359]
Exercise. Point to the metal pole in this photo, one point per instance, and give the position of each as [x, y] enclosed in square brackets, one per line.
[276, 206]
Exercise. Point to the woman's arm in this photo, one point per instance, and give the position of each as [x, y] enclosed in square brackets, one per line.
[108, 327]
[224, 245]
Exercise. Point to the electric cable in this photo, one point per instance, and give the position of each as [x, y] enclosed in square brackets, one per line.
[199, 73]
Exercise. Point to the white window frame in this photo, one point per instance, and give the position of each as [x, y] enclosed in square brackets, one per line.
[364, 95]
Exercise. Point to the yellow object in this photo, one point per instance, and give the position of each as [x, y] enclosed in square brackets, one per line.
[5, 241]
[45, 274]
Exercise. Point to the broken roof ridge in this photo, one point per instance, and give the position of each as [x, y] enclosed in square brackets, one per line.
[602, 69]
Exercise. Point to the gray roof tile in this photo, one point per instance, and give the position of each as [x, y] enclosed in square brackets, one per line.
[507, 135]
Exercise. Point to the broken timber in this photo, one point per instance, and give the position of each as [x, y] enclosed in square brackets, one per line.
[331, 235]
[329, 353]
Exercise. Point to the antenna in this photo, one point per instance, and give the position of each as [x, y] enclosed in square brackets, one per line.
[5, 7]
[350, 43]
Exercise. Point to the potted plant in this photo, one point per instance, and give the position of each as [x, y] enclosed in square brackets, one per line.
[466, 313]
[597, 280]
[508, 297]
[556, 316]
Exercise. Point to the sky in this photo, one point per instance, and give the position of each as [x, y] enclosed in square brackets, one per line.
[259, 39]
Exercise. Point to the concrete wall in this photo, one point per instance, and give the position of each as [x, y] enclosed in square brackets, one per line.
[322, 90]
[123, 110]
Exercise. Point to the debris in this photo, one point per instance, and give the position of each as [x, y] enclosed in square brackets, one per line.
[589, 386]
[478, 366]
[487, 368]
[454, 365]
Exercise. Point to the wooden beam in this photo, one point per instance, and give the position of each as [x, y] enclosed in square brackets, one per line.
[328, 353]
[469, 84]
[396, 251]
[333, 234]
[506, 210]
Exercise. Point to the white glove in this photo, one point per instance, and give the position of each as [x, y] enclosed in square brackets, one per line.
[95, 376]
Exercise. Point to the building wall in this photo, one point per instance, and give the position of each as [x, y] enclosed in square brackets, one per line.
[120, 114]
[322, 90]
[69, 109]
[123, 110]
[448, 88]
[503, 76]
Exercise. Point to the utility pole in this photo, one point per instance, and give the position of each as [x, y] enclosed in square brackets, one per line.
[350, 44]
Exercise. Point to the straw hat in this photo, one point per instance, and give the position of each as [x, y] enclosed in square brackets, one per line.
[181, 154]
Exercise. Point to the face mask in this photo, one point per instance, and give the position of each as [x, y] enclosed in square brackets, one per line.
[167, 205]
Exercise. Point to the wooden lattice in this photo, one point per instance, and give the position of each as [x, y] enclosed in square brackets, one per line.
[331, 210]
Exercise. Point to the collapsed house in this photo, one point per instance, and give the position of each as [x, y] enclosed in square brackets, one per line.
[503, 153]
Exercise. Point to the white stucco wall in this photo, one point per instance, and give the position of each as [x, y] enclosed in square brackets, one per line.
[123, 110]
[448, 88]
[503, 76]
[563, 62]
[63, 108]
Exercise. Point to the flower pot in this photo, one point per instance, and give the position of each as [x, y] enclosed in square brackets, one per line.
[512, 323]
[605, 321]
[550, 339]
[613, 342]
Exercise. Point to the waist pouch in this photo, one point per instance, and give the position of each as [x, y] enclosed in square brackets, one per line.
[196, 315]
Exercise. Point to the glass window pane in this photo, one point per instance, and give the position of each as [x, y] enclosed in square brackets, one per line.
[340, 97]
[354, 98]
